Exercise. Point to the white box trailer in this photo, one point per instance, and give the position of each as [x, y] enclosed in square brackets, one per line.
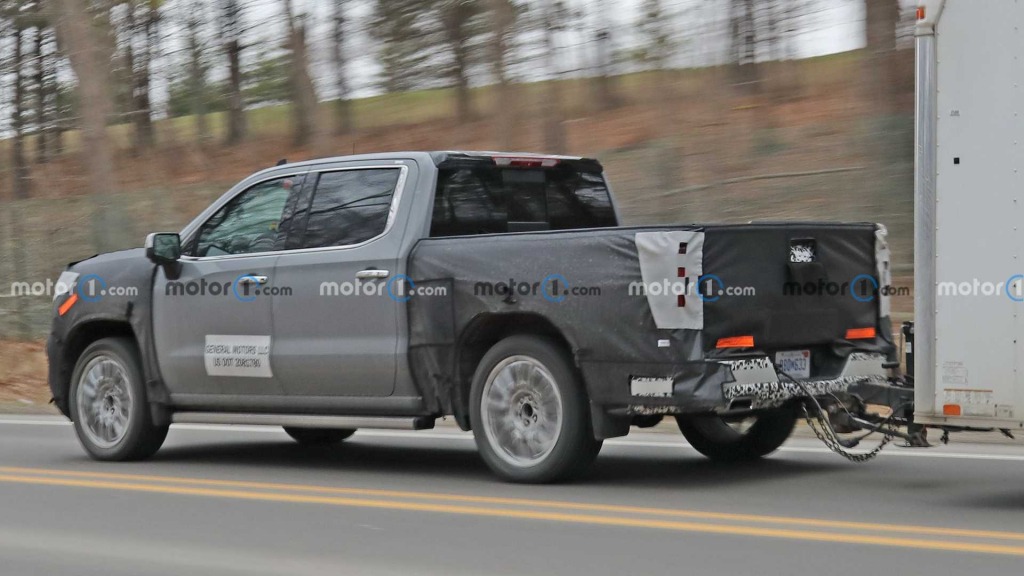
[969, 214]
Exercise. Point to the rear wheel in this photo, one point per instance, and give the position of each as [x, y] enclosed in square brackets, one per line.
[738, 441]
[530, 414]
[318, 436]
[109, 405]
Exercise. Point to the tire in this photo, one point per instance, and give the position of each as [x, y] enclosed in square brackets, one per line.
[525, 387]
[108, 403]
[714, 438]
[318, 436]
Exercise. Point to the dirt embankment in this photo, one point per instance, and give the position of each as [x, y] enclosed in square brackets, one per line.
[23, 386]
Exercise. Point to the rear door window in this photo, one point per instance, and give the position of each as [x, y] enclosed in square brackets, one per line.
[349, 207]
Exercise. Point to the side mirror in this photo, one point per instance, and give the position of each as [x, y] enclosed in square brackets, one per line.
[163, 248]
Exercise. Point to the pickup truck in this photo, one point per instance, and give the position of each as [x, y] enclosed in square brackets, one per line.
[391, 290]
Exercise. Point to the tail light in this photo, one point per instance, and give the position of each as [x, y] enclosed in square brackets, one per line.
[736, 342]
[861, 334]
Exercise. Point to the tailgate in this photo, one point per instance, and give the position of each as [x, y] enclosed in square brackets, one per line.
[794, 285]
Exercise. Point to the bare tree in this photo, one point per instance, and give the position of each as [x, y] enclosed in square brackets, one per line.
[502, 13]
[50, 112]
[554, 123]
[90, 61]
[659, 45]
[305, 104]
[603, 81]
[22, 183]
[82, 41]
[457, 22]
[881, 23]
[407, 35]
[744, 45]
[342, 106]
[134, 29]
[231, 14]
[194, 19]
[142, 73]
[40, 85]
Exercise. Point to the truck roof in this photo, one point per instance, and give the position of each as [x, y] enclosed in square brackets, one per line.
[449, 157]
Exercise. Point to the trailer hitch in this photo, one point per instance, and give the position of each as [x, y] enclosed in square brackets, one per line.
[915, 436]
[820, 421]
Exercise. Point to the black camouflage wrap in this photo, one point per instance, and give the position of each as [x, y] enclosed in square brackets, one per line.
[125, 269]
[613, 335]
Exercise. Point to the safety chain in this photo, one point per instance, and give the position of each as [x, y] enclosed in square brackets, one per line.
[828, 436]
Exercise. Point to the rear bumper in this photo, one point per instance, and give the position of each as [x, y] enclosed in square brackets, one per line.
[721, 385]
[758, 386]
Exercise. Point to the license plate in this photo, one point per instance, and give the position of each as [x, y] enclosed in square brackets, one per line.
[796, 363]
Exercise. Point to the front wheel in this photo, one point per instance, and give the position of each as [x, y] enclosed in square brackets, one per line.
[733, 442]
[530, 413]
[109, 405]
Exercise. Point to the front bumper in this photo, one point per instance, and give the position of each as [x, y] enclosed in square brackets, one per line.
[58, 373]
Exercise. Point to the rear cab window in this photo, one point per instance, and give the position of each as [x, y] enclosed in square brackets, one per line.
[484, 195]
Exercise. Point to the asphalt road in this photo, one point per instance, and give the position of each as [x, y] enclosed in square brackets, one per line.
[249, 501]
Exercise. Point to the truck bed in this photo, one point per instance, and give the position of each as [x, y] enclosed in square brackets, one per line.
[617, 303]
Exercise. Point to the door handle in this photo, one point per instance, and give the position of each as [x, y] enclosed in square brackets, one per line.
[250, 279]
[372, 274]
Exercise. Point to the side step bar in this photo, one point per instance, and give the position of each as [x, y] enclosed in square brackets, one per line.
[303, 420]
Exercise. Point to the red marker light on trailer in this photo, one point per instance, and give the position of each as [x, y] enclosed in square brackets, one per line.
[525, 162]
[921, 12]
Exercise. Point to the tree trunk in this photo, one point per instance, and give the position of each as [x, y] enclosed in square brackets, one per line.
[231, 15]
[554, 124]
[744, 46]
[138, 63]
[305, 105]
[879, 67]
[237, 126]
[455, 17]
[144, 78]
[90, 63]
[604, 87]
[502, 19]
[463, 97]
[197, 74]
[42, 135]
[22, 178]
[54, 118]
[342, 106]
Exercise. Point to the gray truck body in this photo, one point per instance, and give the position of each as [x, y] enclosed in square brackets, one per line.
[306, 354]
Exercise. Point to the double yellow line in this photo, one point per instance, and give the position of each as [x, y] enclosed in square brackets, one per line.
[805, 529]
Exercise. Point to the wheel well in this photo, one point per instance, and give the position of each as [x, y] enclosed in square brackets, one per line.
[484, 332]
[80, 339]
